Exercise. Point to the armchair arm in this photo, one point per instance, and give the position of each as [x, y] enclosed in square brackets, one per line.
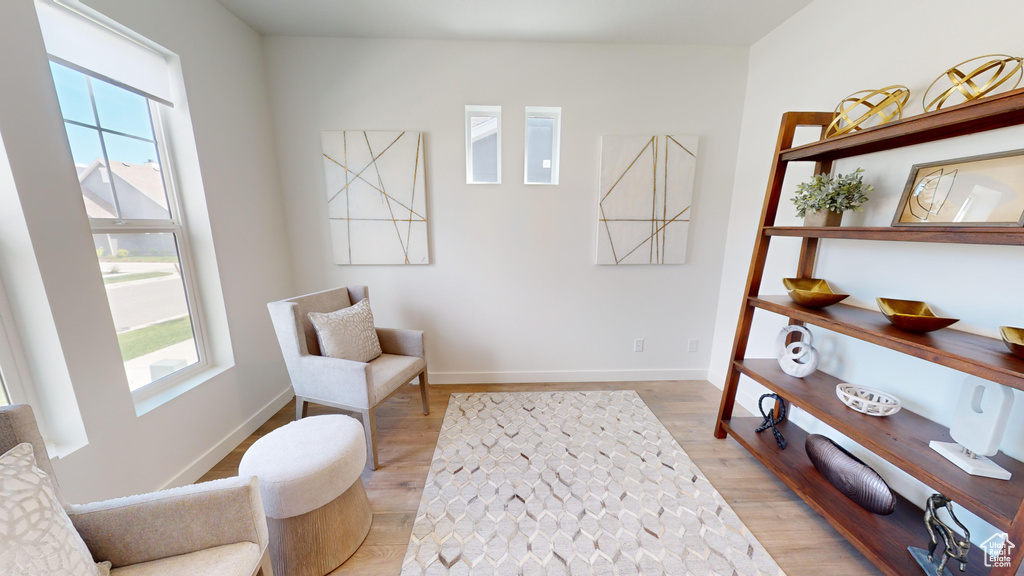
[334, 380]
[401, 342]
[168, 523]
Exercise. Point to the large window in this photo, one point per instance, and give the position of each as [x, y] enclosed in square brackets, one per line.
[129, 194]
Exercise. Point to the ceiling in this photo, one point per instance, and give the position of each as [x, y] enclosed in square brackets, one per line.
[718, 22]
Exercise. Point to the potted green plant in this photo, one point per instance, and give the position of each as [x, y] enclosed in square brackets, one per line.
[822, 201]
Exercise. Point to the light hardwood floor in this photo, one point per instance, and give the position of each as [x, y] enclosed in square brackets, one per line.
[800, 541]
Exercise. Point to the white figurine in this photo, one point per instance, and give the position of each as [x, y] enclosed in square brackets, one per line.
[799, 358]
[978, 425]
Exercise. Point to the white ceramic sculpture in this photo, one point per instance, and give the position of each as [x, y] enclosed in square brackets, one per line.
[799, 358]
[978, 424]
[868, 400]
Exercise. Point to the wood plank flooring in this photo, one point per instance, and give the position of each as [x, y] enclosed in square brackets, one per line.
[800, 541]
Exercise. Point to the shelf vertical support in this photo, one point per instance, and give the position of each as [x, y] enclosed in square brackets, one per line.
[790, 122]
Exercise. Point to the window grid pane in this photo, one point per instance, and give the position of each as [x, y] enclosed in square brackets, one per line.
[115, 153]
[149, 304]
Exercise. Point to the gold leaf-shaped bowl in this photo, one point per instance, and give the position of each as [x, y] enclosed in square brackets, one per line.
[912, 315]
[811, 292]
[1014, 339]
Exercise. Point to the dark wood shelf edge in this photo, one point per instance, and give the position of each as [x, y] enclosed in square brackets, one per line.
[882, 539]
[989, 113]
[900, 341]
[1001, 236]
[944, 477]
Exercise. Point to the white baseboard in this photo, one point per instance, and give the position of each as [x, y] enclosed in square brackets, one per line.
[211, 457]
[529, 377]
[716, 379]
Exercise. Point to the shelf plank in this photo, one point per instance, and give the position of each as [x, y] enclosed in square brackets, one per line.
[902, 439]
[882, 539]
[978, 116]
[978, 355]
[934, 234]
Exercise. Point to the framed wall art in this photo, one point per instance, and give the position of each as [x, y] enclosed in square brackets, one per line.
[376, 197]
[644, 202]
[985, 190]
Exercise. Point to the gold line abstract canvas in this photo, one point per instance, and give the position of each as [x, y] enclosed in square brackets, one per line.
[376, 196]
[644, 204]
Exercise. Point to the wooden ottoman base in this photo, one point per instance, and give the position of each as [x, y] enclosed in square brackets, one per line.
[317, 542]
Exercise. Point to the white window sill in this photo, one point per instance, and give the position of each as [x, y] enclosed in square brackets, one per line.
[162, 391]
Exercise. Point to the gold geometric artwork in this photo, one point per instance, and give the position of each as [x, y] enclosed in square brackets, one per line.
[980, 77]
[376, 197]
[644, 202]
[868, 108]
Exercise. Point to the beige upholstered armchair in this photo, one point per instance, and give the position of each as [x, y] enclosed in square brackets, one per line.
[211, 529]
[353, 386]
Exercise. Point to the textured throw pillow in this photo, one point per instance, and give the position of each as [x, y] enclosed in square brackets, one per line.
[347, 333]
[36, 535]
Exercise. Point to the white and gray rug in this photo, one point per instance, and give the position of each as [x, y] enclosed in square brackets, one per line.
[580, 483]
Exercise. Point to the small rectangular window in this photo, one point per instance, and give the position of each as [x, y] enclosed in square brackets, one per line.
[543, 136]
[483, 144]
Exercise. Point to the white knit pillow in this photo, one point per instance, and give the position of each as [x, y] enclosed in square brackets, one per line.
[347, 333]
[36, 535]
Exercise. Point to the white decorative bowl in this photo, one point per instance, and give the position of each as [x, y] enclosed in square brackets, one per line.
[868, 400]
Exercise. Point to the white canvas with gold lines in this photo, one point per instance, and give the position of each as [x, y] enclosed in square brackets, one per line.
[376, 196]
[581, 483]
[643, 213]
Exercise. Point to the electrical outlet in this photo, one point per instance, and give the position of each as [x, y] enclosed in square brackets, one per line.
[638, 345]
[691, 346]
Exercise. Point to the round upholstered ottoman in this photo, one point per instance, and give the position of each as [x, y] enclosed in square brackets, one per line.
[317, 510]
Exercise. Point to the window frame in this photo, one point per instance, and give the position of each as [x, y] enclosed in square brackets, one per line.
[554, 113]
[174, 225]
[479, 111]
[12, 383]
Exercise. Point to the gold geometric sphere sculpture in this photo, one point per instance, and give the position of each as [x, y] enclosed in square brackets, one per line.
[973, 79]
[859, 109]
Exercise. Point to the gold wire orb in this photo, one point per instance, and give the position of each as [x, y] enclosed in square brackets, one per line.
[989, 72]
[884, 105]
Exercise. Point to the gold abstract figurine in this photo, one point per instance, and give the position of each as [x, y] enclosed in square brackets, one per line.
[885, 105]
[993, 71]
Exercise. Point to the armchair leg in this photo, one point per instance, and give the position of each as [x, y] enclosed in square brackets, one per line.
[370, 427]
[424, 394]
[265, 568]
[301, 407]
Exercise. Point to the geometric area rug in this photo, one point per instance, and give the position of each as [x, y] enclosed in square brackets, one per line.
[571, 483]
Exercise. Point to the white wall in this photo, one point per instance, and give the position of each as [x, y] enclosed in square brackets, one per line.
[805, 64]
[222, 65]
[513, 294]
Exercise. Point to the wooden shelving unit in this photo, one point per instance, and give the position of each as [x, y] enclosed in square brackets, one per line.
[901, 439]
[882, 539]
[947, 235]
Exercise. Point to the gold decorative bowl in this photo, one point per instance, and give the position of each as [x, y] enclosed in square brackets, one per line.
[811, 292]
[1014, 339]
[912, 316]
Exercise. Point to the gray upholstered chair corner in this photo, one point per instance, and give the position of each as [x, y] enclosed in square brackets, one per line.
[354, 386]
[213, 528]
